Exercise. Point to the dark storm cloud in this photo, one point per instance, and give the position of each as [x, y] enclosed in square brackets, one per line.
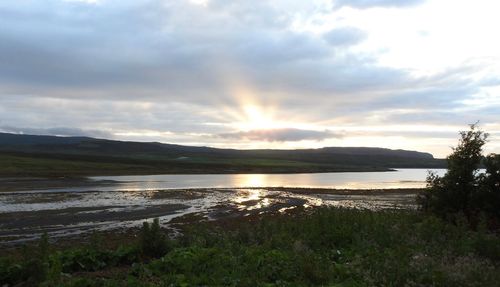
[281, 135]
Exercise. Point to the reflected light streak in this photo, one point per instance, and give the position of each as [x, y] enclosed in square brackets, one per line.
[250, 199]
[253, 180]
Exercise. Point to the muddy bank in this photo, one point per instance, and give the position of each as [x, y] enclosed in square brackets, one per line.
[10, 184]
[28, 220]
[25, 216]
[374, 191]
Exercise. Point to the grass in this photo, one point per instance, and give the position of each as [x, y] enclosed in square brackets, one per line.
[15, 164]
[325, 246]
[40, 166]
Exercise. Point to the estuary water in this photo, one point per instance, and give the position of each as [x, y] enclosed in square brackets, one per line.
[67, 207]
[401, 178]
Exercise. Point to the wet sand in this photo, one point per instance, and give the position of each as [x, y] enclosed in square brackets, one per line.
[24, 216]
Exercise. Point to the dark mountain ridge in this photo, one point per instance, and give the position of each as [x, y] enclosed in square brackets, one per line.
[171, 158]
[49, 143]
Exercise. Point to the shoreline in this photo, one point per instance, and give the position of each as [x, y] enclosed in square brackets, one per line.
[67, 215]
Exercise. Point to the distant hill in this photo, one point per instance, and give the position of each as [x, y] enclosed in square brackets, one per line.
[28, 155]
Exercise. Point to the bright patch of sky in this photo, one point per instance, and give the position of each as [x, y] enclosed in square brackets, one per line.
[253, 74]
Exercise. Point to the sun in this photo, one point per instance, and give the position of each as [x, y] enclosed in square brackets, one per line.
[257, 119]
[254, 117]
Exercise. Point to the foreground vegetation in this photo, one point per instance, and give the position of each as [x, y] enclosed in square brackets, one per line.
[464, 191]
[324, 246]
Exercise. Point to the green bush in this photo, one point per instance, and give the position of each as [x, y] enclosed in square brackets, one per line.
[33, 269]
[488, 194]
[463, 190]
[153, 242]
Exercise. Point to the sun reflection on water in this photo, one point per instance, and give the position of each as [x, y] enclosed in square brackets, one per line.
[253, 180]
[247, 195]
[249, 199]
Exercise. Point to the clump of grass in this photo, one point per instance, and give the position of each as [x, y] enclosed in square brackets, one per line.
[325, 246]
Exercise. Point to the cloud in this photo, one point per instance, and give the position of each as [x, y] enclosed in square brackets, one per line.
[57, 131]
[363, 4]
[181, 72]
[344, 36]
[281, 135]
[150, 50]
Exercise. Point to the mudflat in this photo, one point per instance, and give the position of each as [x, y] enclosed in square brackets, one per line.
[24, 216]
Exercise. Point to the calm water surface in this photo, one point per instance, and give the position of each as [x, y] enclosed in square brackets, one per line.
[402, 178]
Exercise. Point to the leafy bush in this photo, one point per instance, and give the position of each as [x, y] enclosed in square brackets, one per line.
[463, 190]
[33, 269]
[153, 242]
[488, 195]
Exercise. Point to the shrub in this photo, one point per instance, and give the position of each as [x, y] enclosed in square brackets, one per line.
[463, 191]
[488, 197]
[153, 242]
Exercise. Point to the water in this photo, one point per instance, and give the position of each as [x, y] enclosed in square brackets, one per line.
[402, 178]
[120, 202]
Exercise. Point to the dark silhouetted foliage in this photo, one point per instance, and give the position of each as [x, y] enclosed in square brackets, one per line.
[153, 242]
[463, 189]
[488, 196]
[320, 247]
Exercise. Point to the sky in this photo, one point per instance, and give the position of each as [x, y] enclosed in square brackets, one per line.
[253, 74]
